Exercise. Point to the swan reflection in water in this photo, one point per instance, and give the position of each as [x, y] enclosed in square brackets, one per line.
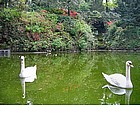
[116, 91]
[23, 81]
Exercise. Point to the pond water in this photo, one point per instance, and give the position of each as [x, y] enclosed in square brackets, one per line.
[68, 79]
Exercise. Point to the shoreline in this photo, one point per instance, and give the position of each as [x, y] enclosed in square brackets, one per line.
[48, 52]
[54, 52]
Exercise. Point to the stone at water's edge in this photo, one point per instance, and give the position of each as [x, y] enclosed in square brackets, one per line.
[5, 52]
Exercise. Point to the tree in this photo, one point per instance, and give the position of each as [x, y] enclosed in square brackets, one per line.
[129, 11]
[97, 5]
[5, 3]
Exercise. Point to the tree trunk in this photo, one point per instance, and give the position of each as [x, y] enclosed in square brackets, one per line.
[107, 9]
[68, 7]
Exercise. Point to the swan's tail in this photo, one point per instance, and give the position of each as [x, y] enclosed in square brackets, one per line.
[35, 66]
[107, 77]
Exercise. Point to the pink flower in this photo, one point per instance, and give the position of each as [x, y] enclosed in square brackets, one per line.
[109, 23]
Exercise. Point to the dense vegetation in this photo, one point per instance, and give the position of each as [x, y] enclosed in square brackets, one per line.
[51, 25]
[125, 32]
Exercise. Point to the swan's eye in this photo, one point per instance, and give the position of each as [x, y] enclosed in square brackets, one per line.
[130, 63]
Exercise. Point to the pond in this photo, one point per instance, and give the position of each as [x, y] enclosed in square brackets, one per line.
[68, 79]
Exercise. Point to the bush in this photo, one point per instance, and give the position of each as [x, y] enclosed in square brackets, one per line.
[123, 38]
[55, 11]
[79, 30]
[40, 31]
[83, 33]
[9, 15]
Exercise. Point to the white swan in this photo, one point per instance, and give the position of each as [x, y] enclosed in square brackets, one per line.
[120, 80]
[27, 72]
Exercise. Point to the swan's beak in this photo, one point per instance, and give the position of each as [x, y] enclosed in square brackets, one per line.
[131, 66]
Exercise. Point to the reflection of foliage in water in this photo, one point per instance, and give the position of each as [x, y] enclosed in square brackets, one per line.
[109, 98]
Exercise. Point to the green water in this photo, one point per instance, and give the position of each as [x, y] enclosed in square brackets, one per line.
[68, 79]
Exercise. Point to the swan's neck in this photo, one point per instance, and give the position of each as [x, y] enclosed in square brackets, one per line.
[128, 73]
[22, 66]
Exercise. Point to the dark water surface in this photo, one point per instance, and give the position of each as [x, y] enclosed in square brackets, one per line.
[67, 79]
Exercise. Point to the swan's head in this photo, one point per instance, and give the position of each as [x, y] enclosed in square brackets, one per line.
[129, 63]
[22, 59]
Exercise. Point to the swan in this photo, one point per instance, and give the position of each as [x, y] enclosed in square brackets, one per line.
[27, 72]
[120, 80]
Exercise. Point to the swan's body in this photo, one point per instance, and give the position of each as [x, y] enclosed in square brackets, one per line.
[120, 80]
[27, 72]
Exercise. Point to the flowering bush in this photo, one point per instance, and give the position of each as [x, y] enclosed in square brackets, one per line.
[43, 31]
[72, 13]
[109, 23]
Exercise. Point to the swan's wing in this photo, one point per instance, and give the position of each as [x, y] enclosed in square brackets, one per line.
[115, 79]
[118, 80]
[31, 69]
[29, 72]
[107, 77]
[30, 79]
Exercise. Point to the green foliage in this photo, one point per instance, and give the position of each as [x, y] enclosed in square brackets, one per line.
[55, 10]
[32, 17]
[79, 28]
[83, 34]
[39, 45]
[82, 43]
[34, 7]
[67, 21]
[96, 5]
[84, 6]
[9, 14]
[38, 21]
[95, 14]
[58, 43]
[111, 4]
[124, 33]
[129, 11]
[52, 17]
[123, 38]
[110, 16]
[92, 16]
[34, 28]
[42, 31]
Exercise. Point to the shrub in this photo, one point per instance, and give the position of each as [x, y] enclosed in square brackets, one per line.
[58, 43]
[123, 38]
[55, 10]
[9, 15]
[39, 31]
